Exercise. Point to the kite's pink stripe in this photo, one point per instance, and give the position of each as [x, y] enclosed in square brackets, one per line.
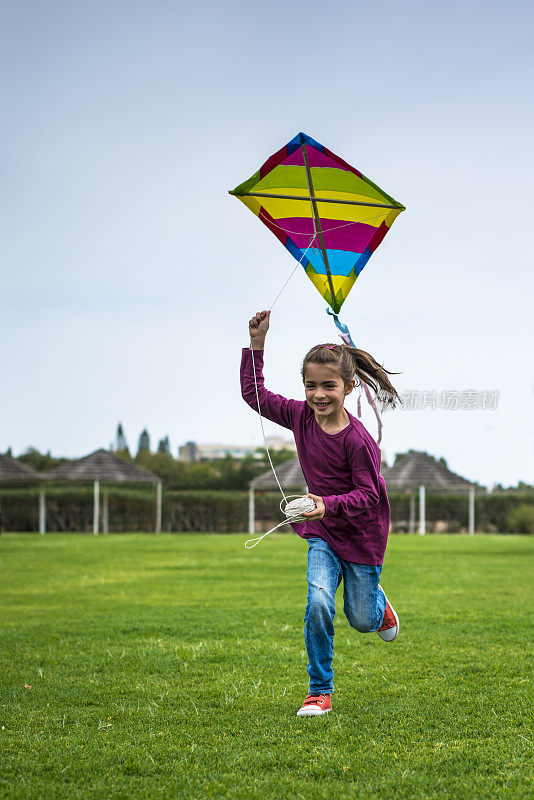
[318, 159]
[315, 159]
[377, 238]
[355, 236]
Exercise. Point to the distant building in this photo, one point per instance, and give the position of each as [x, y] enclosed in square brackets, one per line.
[277, 443]
[187, 452]
[191, 451]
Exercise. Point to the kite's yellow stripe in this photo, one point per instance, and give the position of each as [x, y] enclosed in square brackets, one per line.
[351, 197]
[282, 209]
[340, 282]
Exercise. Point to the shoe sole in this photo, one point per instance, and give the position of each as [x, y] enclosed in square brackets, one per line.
[313, 712]
[396, 620]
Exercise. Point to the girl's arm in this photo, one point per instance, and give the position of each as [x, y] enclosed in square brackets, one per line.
[273, 406]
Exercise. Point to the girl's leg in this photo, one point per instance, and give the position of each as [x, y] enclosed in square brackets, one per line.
[364, 602]
[324, 576]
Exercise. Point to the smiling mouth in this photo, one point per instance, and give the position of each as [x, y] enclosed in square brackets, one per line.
[322, 405]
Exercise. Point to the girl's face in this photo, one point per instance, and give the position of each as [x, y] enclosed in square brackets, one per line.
[325, 389]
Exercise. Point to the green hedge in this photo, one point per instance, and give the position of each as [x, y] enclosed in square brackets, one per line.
[134, 509]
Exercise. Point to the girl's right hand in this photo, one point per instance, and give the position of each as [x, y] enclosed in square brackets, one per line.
[259, 325]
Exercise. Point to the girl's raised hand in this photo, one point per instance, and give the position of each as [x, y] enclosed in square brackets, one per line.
[258, 326]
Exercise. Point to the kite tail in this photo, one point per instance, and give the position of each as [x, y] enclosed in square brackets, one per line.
[347, 338]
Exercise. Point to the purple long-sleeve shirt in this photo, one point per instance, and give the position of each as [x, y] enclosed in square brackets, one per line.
[343, 468]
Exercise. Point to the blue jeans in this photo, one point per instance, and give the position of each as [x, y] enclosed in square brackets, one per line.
[364, 604]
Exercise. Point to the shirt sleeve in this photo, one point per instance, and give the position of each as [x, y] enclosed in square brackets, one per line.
[365, 470]
[273, 406]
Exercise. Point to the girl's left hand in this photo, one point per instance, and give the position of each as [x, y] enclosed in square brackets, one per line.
[317, 513]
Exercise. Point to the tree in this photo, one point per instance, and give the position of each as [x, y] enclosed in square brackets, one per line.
[121, 445]
[39, 461]
[144, 442]
[164, 446]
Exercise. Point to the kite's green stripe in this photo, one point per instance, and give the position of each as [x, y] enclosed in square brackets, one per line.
[383, 194]
[324, 179]
[246, 186]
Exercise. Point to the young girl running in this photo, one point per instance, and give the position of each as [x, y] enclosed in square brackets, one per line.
[347, 532]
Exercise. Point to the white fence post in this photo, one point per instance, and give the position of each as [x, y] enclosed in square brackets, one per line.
[471, 510]
[42, 510]
[422, 511]
[96, 506]
[251, 510]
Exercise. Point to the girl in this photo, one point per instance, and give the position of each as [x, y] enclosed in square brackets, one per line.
[347, 532]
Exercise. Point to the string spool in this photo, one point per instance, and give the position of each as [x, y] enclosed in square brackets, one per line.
[293, 510]
[296, 507]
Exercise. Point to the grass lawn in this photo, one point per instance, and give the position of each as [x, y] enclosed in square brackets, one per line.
[172, 666]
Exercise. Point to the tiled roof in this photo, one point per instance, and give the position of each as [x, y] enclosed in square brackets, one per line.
[12, 471]
[289, 474]
[102, 466]
[414, 469]
[410, 470]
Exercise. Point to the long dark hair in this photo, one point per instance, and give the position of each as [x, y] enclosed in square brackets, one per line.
[355, 363]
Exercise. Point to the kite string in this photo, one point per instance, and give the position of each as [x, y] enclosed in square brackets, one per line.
[291, 513]
[261, 419]
[293, 509]
[298, 264]
[254, 368]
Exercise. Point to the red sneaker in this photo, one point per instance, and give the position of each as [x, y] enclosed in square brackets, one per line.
[314, 705]
[389, 629]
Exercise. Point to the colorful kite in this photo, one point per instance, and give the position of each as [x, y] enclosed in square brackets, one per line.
[328, 215]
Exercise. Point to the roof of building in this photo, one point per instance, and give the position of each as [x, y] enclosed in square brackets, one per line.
[413, 469]
[102, 466]
[13, 471]
[410, 470]
[289, 474]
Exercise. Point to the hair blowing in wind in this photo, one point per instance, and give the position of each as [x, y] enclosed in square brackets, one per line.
[355, 363]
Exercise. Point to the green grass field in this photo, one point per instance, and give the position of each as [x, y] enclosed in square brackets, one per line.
[172, 666]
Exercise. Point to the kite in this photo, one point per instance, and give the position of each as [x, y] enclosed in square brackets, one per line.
[328, 215]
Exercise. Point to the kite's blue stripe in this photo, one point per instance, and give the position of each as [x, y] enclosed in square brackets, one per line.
[305, 139]
[300, 139]
[341, 262]
[362, 261]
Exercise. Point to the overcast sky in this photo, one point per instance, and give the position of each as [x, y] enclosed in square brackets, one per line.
[128, 274]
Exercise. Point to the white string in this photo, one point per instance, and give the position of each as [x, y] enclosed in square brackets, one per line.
[298, 264]
[274, 224]
[254, 368]
[302, 503]
[261, 418]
